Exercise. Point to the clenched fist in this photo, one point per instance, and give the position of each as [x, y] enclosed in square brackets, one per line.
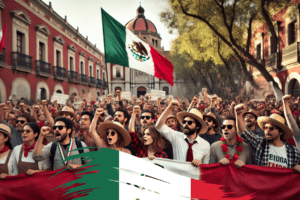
[239, 109]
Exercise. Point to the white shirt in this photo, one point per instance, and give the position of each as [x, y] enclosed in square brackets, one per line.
[201, 149]
[14, 160]
[3, 160]
[277, 157]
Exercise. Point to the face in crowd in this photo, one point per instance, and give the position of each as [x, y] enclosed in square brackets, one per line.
[12, 119]
[60, 131]
[112, 136]
[225, 113]
[249, 120]
[125, 104]
[146, 119]
[172, 123]
[85, 122]
[189, 126]
[20, 122]
[66, 115]
[147, 137]
[272, 132]
[119, 117]
[28, 134]
[3, 138]
[229, 129]
[209, 123]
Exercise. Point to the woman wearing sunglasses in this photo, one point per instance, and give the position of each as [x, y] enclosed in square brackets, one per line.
[5, 150]
[22, 161]
[110, 135]
[150, 145]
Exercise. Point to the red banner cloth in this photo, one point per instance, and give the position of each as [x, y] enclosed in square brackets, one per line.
[262, 182]
[38, 186]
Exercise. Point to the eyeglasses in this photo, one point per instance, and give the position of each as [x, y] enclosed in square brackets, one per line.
[186, 121]
[271, 128]
[147, 117]
[21, 121]
[249, 116]
[59, 127]
[26, 131]
[112, 133]
[228, 126]
[208, 120]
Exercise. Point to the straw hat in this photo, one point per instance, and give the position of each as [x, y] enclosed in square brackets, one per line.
[172, 116]
[278, 121]
[118, 127]
[68, 110]
[196, 114]
[251, 111]
[213, 117]
[6, 130]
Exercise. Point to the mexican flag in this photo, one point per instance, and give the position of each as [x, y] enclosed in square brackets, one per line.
[125, 48]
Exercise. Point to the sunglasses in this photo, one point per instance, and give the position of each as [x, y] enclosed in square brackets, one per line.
[228, 126]
[271, 128]
[112, 133]
[59, 127]
[147, 117]
[208, 120]
[21, 121]
[249, 116]
[26, 131]
[186, 121]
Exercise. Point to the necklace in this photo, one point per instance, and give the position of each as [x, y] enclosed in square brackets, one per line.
[239, 148]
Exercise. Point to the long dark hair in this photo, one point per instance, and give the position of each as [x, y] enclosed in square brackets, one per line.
[158, 142]
[8, 141]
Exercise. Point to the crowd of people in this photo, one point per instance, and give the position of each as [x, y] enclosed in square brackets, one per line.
[39, 137]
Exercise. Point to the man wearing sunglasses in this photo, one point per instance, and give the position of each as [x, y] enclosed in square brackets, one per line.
[212, 124]
[250, 120]
[218, 151]
[61, 149]
[271, 150]
[147, 118]
[187, 146]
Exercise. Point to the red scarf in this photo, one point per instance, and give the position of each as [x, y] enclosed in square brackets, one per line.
[5, 149]
[27, 149]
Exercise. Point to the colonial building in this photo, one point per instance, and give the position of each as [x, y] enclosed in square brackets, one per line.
[137, 82]
[286, 53]
[44, 54]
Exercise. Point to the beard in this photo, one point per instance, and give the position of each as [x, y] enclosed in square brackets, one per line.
[62, 137]
[249, 125]
[188, 131]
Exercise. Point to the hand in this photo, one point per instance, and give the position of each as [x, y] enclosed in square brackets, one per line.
[239, 109]
[195, 99]
[224, 161]
[296, 169]
[110, 96]
[2, 105]
[3, 175]
[118, 93]
[133, 98]
[150, 96]
[45, 131]
[136, 109]
[196, 163]
[214, 99]
[151, 157]
[30, 172]
[286, 98]
[233, 104]
[36, 108]
[55, 103]
[85, 102]
[138, 102]
[72, 167]
[22, 105]
[82, 104]
[98, 112]
[44, 102]
[159, 99]
[238, 163]
[169, 100]
[5, 109]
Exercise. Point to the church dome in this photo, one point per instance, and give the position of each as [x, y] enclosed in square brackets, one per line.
[140, 23]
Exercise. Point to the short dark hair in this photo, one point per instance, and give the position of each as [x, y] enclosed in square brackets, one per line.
[126, 115]
[149, 111]
[69, 124]
[34, 127]
[230, 117]
[27, 117]
[90, 114]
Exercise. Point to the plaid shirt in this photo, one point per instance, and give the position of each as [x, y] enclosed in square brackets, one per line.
[261, 147]
[140, 151]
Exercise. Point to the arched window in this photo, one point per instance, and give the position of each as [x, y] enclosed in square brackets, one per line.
[81, 68]
[141, 91]
[98, 94]
[59, 91]
[294, 88]
[118, 73]
[166, 89]
[43, 94]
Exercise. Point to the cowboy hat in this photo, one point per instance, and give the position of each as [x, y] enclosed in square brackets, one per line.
[251, 111]
[118, 127]
[68, 110]
[6, 130]
[196, 114]
[213, 117]
[278, 121]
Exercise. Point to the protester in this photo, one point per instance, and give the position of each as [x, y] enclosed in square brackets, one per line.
[5, 150]
[212, 124]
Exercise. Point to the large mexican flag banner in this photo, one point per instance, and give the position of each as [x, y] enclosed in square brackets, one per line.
[124, 48]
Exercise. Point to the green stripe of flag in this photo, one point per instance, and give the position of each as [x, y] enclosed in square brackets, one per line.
[114, 34]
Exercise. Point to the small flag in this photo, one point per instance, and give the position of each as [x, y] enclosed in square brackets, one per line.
[2, 38]
[124, 48]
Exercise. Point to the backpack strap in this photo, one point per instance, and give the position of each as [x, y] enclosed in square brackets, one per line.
[79, 147]
[52, 153]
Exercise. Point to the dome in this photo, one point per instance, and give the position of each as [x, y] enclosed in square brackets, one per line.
[140, 23]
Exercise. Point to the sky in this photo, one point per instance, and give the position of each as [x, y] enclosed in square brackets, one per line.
[87, 16]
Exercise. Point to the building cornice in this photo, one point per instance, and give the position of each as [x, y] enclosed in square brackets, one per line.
[43, 28]
[21, 15]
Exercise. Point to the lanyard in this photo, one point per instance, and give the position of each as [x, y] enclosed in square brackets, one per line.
[61, 152]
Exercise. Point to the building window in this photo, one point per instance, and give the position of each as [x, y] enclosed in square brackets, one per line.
[83, 91]
[98, 72]
[58, 58]
[258, 51]
[20, 40]
[71, 64]
[81, 68]
[155, 42]
[98, 94]
[166, 89]
[292, 32]
[272, 45]
[59, 91]
[41, 51]
[91, 74]
[141, 73]
[103, 77]
[118, 73]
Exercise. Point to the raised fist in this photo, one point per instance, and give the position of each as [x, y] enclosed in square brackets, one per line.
[45, 130]
[286, 98]
[136, 109]
[44, 102]
[110, 96]
[82, 104]
[239, 108]
[195, 99]
[36, 108]
[159, 99]
[22, 104]
[214, 98]
[98, 112]
[138, 102]
[118, 92]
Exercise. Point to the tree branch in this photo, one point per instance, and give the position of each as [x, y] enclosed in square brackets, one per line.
[249, 32]
[233, 16]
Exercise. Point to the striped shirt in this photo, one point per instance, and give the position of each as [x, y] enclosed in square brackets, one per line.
[201, 149]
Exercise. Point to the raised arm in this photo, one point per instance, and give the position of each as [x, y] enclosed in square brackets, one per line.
[158, 105]
[240, 125]
[45, 131]
[47, 113]
[194, 101]
[110, 110]
[162, 119]
[96, 138]
[133, 118]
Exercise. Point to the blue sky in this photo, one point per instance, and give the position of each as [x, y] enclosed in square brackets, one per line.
[87, 16]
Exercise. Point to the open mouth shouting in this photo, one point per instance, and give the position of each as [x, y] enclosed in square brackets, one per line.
[57, 135]
[109, 140]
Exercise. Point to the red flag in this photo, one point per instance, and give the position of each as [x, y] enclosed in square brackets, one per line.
[2, 38]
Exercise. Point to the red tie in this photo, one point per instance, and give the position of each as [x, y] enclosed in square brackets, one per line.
[189, 155]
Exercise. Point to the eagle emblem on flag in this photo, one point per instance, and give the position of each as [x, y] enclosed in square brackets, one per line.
[139, 52]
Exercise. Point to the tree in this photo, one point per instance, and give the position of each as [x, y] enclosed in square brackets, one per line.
[231, 21]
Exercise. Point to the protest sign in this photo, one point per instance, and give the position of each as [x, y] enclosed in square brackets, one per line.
[126, 95]
[157, 93]
[77, 102]
[61, 98]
